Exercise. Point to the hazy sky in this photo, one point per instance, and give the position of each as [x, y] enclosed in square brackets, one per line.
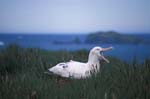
[78, 16]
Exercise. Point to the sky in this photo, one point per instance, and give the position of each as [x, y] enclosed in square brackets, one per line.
[74, 16]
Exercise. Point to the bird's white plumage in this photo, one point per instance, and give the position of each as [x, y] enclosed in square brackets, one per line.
[74, 69]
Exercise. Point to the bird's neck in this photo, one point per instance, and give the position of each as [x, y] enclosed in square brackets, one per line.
[92, 59]
[93, 63]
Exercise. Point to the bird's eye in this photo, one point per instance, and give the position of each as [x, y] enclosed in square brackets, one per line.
[97, 49]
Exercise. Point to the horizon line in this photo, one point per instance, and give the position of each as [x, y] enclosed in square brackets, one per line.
[71, 33]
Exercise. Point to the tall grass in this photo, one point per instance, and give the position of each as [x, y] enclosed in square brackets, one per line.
[22, 77]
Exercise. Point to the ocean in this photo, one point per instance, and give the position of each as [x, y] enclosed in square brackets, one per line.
[56, 42]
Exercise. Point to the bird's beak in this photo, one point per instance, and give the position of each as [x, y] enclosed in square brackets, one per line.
[107, 49]
[102, 56]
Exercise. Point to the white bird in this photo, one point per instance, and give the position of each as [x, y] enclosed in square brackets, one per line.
[78, 70]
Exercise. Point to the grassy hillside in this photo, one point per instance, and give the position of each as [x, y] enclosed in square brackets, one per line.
[115, 37]
[22, 77]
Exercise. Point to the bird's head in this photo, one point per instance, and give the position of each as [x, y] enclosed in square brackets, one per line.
[97, 54]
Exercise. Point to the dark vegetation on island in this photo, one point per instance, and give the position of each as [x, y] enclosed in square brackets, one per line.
[22, 77]
[117, 38]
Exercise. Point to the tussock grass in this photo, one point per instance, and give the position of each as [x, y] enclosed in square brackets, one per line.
[22, 77]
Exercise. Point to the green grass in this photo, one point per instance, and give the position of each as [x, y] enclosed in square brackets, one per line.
[22, 77]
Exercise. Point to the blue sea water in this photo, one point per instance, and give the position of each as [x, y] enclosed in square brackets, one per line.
[125, 52]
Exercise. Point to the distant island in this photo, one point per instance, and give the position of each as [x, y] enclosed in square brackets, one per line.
[115, 37]
[108, 37]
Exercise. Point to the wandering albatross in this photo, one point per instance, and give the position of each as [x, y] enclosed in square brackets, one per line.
[79, 70]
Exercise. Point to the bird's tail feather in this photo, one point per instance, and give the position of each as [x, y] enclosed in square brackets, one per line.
[48, 72]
